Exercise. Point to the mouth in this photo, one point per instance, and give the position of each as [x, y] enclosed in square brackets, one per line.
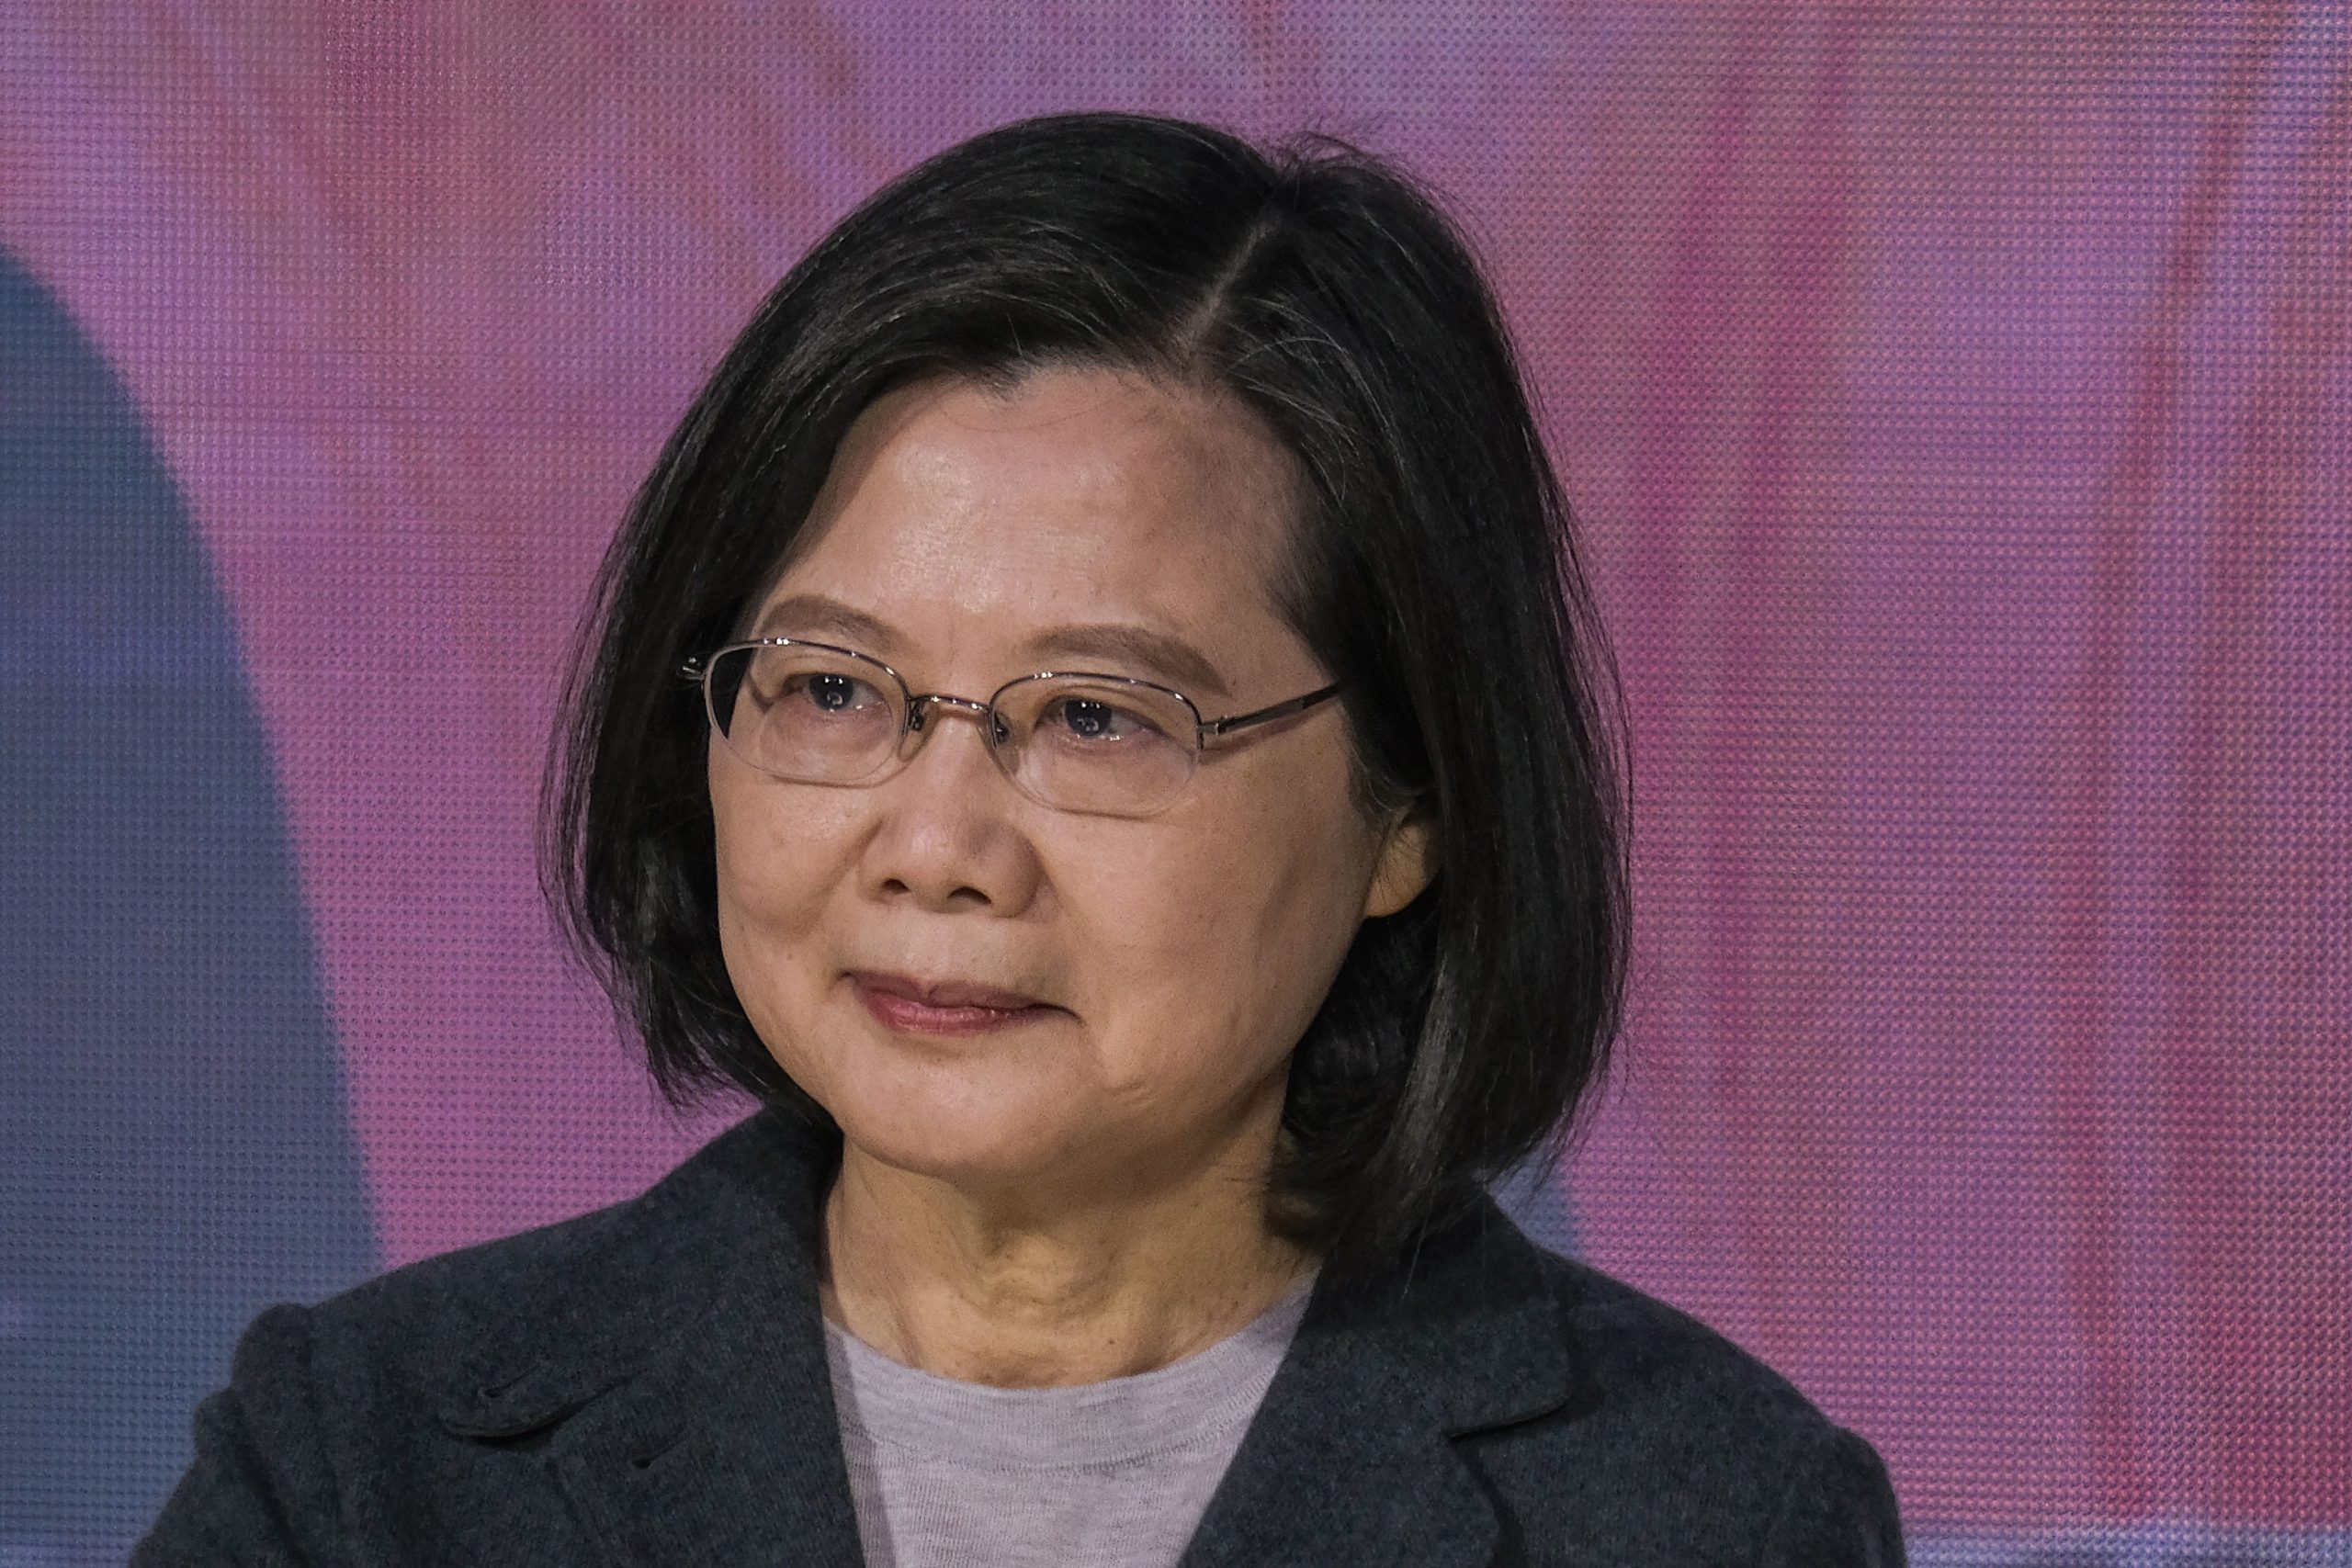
[946, 1007]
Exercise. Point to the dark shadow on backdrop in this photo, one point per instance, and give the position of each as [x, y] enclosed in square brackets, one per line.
[174, 1151]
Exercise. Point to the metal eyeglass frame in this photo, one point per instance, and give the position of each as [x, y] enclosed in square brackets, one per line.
[699, 668]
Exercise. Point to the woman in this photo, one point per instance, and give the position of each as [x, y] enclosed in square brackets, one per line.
[1095, 721]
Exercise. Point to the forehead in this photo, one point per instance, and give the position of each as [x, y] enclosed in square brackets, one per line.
[957, 512]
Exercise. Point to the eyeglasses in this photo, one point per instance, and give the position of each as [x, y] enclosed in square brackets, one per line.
[1104, 745]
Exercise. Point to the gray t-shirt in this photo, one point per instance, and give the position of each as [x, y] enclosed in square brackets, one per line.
[1115, 1474]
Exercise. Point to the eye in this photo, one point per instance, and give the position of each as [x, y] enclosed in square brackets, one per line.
[1093, 721]
[828, 692]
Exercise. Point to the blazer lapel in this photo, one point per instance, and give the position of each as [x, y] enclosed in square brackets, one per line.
[1343, 1464]
[1351, 1458]
[699, 1428]
[726, 1448]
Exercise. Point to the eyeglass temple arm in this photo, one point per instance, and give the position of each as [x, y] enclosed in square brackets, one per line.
[1279, 710]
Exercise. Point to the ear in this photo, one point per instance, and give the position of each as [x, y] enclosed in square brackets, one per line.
[1407, 862]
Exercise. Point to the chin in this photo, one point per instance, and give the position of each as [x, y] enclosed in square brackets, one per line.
[945, 1121]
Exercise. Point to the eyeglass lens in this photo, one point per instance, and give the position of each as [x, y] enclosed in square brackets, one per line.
[1078, 744]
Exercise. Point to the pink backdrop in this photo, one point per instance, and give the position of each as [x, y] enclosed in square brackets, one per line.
[1957, 402]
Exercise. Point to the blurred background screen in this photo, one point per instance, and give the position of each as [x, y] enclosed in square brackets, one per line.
[1957, 403]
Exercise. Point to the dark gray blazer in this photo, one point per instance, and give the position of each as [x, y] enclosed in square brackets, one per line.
[648, 1384]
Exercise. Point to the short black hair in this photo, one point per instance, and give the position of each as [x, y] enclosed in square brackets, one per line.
[1435, 570]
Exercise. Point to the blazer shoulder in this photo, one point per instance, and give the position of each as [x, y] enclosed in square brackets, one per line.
[1666, 1402]
[1634, 1345]
[601, 1281]
[409, 1410]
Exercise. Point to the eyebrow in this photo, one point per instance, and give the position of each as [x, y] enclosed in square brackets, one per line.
[1186, 666]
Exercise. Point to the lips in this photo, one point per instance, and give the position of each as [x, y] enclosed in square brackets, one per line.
[945, 1009]
[942, 993]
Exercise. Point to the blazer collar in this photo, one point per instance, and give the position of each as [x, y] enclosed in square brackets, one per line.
[1351, 1458]
[701, 1425]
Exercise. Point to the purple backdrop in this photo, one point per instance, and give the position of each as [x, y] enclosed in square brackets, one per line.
[1957, 402]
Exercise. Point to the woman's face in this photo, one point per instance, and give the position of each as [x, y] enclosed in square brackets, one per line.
[1180, 956]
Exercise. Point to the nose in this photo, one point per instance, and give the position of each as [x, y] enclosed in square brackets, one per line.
[941, 835]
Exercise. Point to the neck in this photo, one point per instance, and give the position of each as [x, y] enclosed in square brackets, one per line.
[1017, 1290]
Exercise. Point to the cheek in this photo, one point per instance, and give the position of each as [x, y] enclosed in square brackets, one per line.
[746, 849]
[775, 843]
[772, 877]
[1221, 954]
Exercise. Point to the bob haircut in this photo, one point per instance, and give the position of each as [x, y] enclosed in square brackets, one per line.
[1434, 569]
